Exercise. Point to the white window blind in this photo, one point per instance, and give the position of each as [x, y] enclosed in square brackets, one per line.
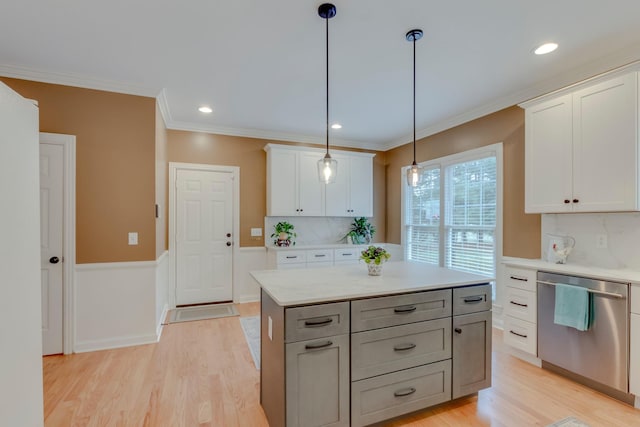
[464, 194]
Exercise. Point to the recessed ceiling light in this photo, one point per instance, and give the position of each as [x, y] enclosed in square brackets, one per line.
[545, 48]
[204, 109]
[336, 126]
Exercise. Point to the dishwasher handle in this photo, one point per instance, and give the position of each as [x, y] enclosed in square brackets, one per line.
[591, 291]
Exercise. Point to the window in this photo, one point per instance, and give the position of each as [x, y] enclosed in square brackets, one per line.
[451, 219]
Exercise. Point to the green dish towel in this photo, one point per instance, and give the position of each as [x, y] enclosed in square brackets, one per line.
[574, 307]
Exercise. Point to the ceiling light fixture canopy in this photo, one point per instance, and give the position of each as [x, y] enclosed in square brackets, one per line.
[327, 167]
[414, 173]
[205, 109]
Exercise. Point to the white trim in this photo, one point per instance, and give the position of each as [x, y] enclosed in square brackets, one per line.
[76, 80]
[116, 265]
[111, 343]
[68, 143]
[298, 148]
[163, 105]
[173, 169]
[160, 326]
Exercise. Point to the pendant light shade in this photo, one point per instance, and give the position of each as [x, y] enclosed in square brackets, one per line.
[327, 167]
[414, 173]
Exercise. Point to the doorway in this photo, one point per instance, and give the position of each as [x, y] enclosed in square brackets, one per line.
[57, 240]
[203, 223]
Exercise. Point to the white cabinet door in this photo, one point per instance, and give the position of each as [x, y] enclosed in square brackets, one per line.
[361, 186]
[310, 190]
[338, 192]
[282, 185]
[634, 364]
[605, 146]
[548, 156]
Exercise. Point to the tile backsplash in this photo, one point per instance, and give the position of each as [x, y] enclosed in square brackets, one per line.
[620, 230]
[311, 230]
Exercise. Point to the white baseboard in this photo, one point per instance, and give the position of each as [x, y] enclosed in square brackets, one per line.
[248, 298]
[111, 343]
[529, 358]
[160, 326]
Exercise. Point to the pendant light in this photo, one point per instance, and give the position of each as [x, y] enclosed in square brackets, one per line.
[327, 167]
[414, 173]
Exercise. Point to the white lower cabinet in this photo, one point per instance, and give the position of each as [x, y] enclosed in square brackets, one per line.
[520, 310]
[634, 359]
[313, 258]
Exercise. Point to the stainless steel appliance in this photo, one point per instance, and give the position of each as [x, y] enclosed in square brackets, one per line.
[598, 357]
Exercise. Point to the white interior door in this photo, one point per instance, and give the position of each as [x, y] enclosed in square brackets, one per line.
[51, 220]
[204, 224]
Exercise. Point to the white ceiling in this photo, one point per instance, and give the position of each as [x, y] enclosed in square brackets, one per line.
[260, 64]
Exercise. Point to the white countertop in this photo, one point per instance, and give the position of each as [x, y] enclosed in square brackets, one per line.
[325, 246]
[316, 285]
[620, 275]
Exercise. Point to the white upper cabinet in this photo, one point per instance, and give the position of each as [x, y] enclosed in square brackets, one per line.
[581, 149]
[352, 193]
[293, 187]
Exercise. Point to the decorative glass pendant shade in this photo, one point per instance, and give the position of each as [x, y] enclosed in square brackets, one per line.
[414, 173]
[327, 167]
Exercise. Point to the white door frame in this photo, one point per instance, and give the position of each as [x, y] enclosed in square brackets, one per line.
[68, 143]
[173, 171]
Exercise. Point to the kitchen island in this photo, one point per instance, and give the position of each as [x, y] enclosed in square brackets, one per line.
[341, 348]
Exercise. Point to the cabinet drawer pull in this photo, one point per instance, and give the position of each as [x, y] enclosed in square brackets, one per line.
[347, 254]
[406, 309]
[522, 279]
[318, 345]
[321, 322]
[517, 334]
[319, 255]
[404, 347]
[473, 300]
[404, 392]
[518, 304]
[292, 256]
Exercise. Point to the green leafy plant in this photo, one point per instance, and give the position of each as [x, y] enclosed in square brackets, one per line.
[362, 231]
[375, 254]
[284, 234]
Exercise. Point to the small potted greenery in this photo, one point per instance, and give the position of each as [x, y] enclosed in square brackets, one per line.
[284, 234]
[362, 231]
[375, 257]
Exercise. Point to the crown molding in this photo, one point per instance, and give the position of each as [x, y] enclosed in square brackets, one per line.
[163, 105]
[266, 134]
[76, 80]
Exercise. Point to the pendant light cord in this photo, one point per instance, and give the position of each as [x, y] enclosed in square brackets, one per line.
[414, 100]
[327, 95]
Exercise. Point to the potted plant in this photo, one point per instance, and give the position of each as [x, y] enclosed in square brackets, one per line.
[375, 256]
[284, 234]
[362, 231]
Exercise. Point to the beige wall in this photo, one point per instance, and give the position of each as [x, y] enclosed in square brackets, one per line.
[249, 155]
[115, 166]
[521, 232]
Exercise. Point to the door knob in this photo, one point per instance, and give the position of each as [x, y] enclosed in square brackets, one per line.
[458, 330]
[54, 260]
[228, 243]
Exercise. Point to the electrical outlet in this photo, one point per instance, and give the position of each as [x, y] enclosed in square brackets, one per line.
[256, 232]
[133, 238]
[601, 241]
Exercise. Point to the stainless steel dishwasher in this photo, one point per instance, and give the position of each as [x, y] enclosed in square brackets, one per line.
[597, 357]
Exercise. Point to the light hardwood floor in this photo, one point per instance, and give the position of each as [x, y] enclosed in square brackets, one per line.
[201, 374]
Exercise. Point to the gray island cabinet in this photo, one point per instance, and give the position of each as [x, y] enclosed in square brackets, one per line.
[341, 348]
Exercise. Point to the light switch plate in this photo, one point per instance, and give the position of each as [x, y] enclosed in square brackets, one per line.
[133, 238]
[256, 232]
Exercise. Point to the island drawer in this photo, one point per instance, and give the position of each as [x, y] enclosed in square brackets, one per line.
[291, 257]
[348, 254]
[520, 278]
[521, 304]
[316, 321]
[396, 310]
[471, 299]
[381, 351]
[386, 396]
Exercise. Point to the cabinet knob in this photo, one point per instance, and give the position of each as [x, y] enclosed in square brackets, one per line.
[458, 330]
[575, 200]
[567, 201]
